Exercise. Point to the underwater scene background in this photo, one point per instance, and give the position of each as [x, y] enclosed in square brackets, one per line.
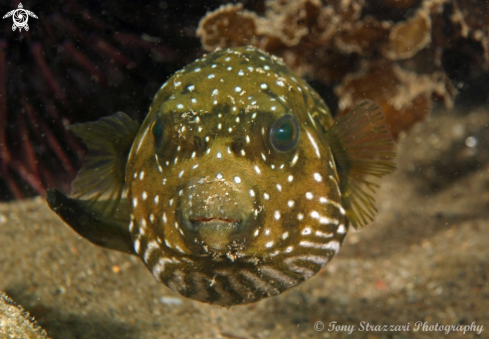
[424, 258]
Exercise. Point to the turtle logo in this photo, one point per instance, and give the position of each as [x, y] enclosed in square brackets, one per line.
[20, 16]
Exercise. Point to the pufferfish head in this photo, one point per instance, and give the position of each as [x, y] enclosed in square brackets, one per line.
[233, 188]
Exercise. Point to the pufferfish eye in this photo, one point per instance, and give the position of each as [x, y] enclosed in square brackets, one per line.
[157, 132]
[284, 133]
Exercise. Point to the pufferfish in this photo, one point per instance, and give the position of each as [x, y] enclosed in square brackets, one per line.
[237, 186]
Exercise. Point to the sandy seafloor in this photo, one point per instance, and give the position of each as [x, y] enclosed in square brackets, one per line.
[424, 258]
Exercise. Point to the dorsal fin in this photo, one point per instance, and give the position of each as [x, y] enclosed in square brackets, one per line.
[363, 149]
[109, 141]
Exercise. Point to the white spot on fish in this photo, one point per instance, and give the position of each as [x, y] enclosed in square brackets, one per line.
[324, 235]
[277, 215]
[341, 229]
[137, 246]
[332, 245]
[294, 160]
[313, 142]
[326, 221]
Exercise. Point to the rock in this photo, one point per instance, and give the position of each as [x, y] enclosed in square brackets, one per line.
[16, 323]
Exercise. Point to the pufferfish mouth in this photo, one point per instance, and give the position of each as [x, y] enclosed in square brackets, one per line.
[216, 233]
[205, 219]
[230, 224]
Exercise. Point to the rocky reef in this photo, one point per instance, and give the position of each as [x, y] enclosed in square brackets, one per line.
[17, 323]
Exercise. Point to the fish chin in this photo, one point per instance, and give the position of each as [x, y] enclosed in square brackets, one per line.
[216, 233]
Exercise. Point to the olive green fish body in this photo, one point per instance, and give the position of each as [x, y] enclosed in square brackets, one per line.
[220, 214]
[233, 189]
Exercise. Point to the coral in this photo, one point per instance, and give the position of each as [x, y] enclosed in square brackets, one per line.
[240, 24]
[472, 17]
[391, 52]
[407, 38]
[405, 97]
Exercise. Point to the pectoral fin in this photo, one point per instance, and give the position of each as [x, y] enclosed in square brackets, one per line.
[363, 150]
[112, 233]
[102, 176]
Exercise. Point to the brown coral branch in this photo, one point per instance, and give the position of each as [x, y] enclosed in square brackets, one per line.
[3, 99]
[85, 63]
[113, 53]
[37, 52]
[13, 187]
[41, 130]
[30, 155]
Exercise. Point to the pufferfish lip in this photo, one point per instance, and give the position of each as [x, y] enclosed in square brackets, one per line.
[217, 223]
[206, 219]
